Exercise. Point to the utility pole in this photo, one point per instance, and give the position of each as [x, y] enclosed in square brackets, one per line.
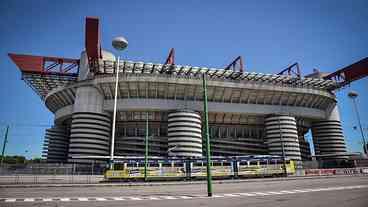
[206, 135]
[146, 150]
[4, 145]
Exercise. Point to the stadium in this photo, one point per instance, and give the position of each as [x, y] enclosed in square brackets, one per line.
[249, 113]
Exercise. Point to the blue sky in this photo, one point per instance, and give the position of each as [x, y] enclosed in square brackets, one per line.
[270, 35]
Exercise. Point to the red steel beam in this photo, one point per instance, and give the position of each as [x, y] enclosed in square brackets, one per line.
[92, 38]
[46, 65]
[290, 70]
[350, 73]
[170, 60]
[237, 61]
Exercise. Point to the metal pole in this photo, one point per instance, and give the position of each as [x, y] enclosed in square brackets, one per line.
[4, 145]
[114, 117]
[146, 150]
[283, 149]
[206, 135]
[360, 126]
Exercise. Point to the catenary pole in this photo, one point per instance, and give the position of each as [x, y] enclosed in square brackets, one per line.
[4, 145]
[207, 138]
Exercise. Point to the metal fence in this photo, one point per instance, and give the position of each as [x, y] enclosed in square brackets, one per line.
[51, 173]
[52, 169]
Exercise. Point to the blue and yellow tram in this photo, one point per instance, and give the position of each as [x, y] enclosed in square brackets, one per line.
[161, 168]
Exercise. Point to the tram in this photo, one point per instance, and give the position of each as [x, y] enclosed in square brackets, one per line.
[173, 168]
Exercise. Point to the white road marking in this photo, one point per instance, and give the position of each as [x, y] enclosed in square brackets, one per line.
[183, 196]
[135, 198]
[300, 191]
[247, 194]
[101, 199]
[82, 199]
[260, 193]
[153, 198]
[231, 195]
[217, 196]
[118, 199]
[287, 191]
[169, 197]
[275, 193]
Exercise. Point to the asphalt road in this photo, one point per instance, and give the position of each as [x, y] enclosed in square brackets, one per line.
[336, 192]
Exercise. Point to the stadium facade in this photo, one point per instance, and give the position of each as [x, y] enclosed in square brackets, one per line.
[252, 114]
[249, 113]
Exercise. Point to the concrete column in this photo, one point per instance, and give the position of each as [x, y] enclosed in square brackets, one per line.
[185, 134]
[56, 144]
[282, 129]
[303, 143]
[328, 137]
[304, 149]
[90, 128]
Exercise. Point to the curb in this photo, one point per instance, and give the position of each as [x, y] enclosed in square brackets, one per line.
[139, 184]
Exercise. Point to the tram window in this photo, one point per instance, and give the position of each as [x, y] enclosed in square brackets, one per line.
[134, 164]
[216, 163]
[166, 164]
[253, 163]
[263, 162]
[179, 164]
[198, 164]
[226, 164]
[243, 163]
[153, 164]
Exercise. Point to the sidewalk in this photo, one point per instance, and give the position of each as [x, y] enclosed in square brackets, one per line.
[153, 183]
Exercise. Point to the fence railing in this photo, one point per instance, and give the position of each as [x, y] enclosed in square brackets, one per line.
[52, 169]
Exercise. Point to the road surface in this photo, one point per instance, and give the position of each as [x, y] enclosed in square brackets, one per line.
[336, 192]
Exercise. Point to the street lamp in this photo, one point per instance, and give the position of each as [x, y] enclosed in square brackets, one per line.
[119, 43]
[353, 95]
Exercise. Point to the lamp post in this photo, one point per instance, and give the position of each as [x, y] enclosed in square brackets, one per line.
[119, 43]
[353, 95]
